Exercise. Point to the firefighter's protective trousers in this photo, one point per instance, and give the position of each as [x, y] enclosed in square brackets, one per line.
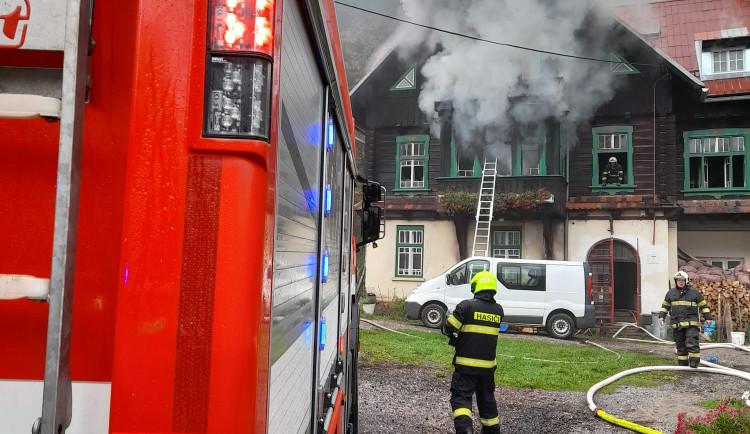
[685, 305]
[463, 387]
[688, 348]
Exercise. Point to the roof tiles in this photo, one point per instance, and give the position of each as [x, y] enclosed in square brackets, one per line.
[683, 22]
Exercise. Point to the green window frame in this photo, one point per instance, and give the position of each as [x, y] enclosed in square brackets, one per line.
[530, 148]
[620, 66]
[412, 161]
[506, 243]
[612, 141]
[409, 251]
[717, 161]
[459, 166]
[408, 81]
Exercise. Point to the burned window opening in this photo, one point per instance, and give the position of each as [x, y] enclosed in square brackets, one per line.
[716, 162]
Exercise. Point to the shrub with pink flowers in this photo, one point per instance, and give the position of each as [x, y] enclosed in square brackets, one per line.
[729, 417]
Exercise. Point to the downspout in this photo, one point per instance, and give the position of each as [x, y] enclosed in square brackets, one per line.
[653, 206]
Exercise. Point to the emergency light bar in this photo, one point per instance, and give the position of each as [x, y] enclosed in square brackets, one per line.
[238, 69]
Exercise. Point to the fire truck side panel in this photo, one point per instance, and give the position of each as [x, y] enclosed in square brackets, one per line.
[191, 355]
[296, 263]
[330, 298]
[199, 292]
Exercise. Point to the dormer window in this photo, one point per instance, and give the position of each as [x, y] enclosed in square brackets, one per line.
[724, 54]
[730, 60]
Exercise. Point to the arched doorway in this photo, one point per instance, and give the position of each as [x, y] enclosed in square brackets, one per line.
[616, 279]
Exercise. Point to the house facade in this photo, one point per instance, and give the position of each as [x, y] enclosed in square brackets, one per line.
[679, 188]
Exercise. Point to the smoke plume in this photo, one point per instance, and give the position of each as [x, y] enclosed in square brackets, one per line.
[493, 87]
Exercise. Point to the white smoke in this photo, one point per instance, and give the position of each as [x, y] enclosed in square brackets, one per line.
[484, 81]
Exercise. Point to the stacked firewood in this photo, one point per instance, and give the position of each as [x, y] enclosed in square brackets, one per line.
[727, 294]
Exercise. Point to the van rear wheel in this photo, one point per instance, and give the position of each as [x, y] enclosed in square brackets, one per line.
[433, 316]
[560, 326]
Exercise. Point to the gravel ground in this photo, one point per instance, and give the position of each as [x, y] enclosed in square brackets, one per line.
[414, 399]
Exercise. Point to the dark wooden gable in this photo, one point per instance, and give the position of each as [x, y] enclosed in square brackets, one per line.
[386, 114]
[643, 101]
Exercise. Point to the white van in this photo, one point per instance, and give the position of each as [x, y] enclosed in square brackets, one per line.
[551, 294]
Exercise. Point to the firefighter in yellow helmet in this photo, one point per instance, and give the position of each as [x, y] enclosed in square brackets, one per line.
[473, 329]
[612, 173]
[684, 305]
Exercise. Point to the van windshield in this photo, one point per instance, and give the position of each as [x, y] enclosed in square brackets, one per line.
[464, 273]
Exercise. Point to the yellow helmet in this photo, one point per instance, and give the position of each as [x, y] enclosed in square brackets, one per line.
[681, 275]
[483, 281]
[612, 160]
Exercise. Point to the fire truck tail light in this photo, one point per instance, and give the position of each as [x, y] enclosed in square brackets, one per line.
[238, 68]
[242, 26]
[237, 96]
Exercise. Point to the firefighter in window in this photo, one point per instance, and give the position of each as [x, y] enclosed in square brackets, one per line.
[612, 173]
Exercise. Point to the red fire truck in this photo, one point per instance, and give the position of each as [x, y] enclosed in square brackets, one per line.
[176, 252]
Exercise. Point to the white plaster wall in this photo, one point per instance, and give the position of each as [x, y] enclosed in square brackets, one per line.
[715, 244]
[532, 238]
[654, 257]
[440, 252]
[672, 229]
[558, 241]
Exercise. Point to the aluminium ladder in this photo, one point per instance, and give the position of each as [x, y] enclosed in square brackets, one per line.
[56, 412]
[485, 207]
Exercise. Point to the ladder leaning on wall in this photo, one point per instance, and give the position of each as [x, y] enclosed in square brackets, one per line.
[485, 207]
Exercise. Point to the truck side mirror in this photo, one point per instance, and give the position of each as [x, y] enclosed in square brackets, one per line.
[449, 279]
[371, 224]
[372, 192]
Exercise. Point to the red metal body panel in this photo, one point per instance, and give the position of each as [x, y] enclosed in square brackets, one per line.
[28, 159]
[175, 240]
[155, 347]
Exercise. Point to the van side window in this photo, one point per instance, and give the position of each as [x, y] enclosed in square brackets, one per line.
[530, 277]
[463, 274]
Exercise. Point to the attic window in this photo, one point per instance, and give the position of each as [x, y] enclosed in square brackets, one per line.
[621, 66]
[407, 81]
[730, 60]
[724, 54]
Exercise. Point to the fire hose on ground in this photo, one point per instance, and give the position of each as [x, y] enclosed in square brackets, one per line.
[712, 369]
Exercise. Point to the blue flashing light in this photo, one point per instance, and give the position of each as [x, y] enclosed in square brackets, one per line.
[127, 274]
[308, 332]
[311, 269]
[325, 267]
[322, 333]
[329, 136]
[328, 200]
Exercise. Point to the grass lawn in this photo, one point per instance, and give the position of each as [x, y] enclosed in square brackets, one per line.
[522, 363]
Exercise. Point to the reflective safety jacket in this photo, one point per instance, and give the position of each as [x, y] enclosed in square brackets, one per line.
[684, 306]
[477, 323]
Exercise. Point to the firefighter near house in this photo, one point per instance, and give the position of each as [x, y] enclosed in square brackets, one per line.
[473, 329]
[684, 305]
[178, 181]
